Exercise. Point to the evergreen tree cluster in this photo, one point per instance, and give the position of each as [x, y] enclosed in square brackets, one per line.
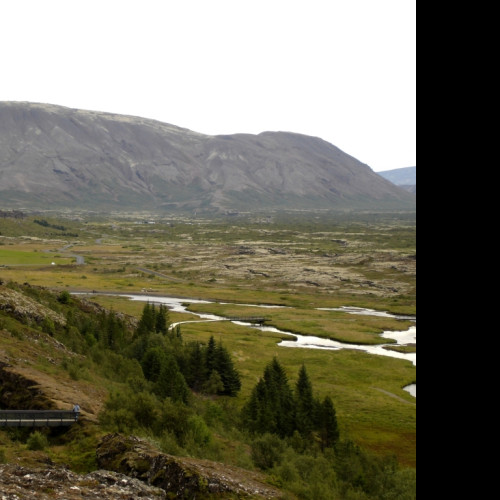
[174, 367]
[171, 366]
[105, 329]
[292, 435]
[211, 369]
[153, 320]
[274, 408]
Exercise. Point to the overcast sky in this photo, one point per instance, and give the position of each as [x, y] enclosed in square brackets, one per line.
[342, 70]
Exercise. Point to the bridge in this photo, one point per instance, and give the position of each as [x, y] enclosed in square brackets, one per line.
[248, 319]
[37, 418]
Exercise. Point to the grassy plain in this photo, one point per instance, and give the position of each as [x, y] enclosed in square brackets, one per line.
[20, 257]
[301, 261]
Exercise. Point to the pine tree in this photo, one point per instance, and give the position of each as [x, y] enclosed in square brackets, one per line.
[211, 356]
[228, 373]
[258, 414]
[114, 336]
[196, 373]
[152, 363]
[271, 406]
[327, 424]
[171, 383]
[281, 396]
[304, 404]
[162, 320]
[147, 323]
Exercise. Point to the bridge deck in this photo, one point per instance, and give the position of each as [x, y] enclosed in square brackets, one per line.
[248, 319]
[37, 418]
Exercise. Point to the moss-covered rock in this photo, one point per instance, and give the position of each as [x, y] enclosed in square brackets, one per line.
[24, 308]
[181, 478]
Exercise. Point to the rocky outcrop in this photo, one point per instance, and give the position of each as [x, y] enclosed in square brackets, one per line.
[182, 478]
[23, 308]
[18, 392]
[19, 483]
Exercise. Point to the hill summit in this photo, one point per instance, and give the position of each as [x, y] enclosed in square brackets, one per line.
[52, 157]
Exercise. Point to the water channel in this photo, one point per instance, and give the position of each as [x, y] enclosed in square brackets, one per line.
[402, 338]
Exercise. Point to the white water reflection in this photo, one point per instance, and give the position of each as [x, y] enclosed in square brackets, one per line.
[412, 389]
[402, 338]
[367, 312]
[306, 341]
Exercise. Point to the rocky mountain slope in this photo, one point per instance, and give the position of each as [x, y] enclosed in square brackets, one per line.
[55, 157]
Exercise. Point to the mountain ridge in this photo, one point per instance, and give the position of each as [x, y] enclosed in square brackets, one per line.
[405, 177]
[57, 157]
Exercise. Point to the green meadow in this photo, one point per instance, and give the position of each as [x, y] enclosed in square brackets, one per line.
[300, 261]
[31, 258]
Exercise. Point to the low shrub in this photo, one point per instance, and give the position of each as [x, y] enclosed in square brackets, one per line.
[37, 441]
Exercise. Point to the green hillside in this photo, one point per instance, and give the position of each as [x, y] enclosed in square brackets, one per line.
[193, 392]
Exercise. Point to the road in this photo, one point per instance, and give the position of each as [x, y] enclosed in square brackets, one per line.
[160, 275]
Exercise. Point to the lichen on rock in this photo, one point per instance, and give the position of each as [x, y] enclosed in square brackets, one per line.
[24, 308]
[184, 478]
[18, 483]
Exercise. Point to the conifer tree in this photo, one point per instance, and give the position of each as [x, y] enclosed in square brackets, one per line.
[147, 323]
[271, 405]
[114, 331]
[171, 383]
[196, 373]
[162, 320]
[257, 413]
[211, 356]
[304, 404]
[152, 363]
[229, 375]
[281, 395]
[327, 424]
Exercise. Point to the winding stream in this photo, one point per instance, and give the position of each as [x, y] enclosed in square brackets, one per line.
[402, 338]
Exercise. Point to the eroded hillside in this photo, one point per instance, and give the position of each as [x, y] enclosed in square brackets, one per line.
[54, 157]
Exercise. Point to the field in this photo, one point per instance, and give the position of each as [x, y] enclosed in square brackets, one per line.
[301, 261]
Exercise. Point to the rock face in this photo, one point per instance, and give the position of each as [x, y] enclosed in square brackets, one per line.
[20, 483]
[23, 308]
[55, 157]
[18, 392]
[179, 477]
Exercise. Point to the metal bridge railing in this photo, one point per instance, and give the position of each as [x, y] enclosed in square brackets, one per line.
[37, 418]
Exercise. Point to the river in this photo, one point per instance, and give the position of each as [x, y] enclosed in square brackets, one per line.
[402, 338]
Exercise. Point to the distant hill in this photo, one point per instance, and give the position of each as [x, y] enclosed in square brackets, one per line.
[403, 177]
[54, 157]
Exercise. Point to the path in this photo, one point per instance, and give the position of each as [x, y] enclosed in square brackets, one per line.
[160, 275]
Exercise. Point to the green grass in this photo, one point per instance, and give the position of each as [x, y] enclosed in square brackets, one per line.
[352, 379]
[326, 324]
[358, 244]
[31, 258]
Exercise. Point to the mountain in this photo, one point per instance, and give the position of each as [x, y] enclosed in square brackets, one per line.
[56, 157]
[403, 177]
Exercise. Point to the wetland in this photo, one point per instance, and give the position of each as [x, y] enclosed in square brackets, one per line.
[331, 280]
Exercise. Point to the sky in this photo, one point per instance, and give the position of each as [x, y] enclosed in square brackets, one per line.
[341, 70]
